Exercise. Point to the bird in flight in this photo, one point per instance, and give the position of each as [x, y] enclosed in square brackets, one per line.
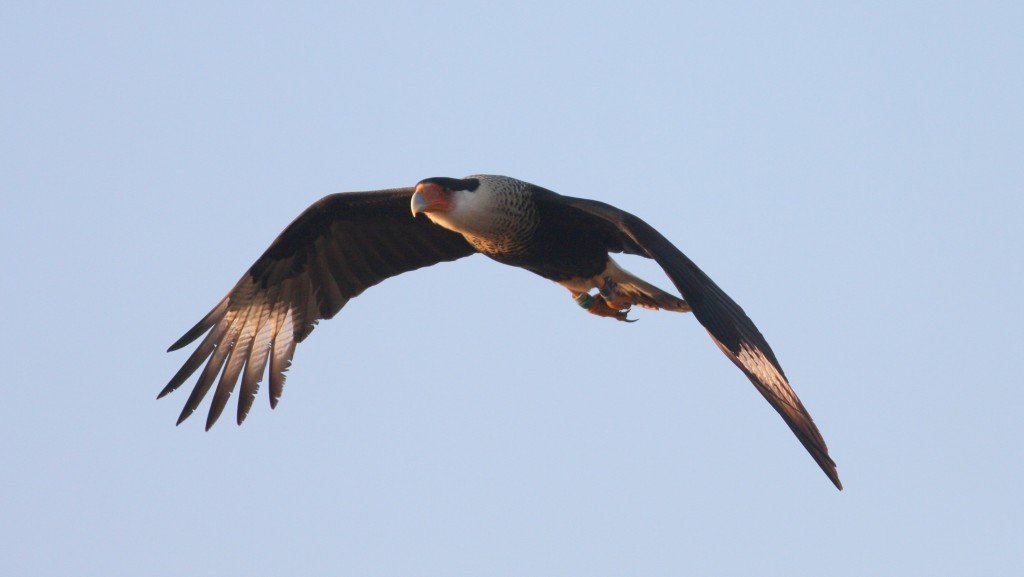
[348, 242]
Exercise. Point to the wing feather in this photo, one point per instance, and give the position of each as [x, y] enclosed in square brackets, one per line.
[211, 318]
[234, 364]
[281, 356]
[339, 269]
[331, 299]
[336, 249]
[356, 258]
[195, 360]
[259, 353]
[213, 366]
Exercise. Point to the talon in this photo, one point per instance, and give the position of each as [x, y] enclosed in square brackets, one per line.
[622, 314]
[600, 306]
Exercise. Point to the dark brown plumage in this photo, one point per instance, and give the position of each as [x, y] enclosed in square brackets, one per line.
[345, 243]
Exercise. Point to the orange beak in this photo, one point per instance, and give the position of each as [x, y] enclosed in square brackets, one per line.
[430, 197]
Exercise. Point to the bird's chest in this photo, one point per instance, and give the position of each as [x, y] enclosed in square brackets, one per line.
[504, 233]
[499, 247]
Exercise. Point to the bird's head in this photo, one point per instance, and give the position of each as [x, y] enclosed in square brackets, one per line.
[454, 203]
[440, 193]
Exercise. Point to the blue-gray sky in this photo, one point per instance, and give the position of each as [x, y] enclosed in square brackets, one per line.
[851, 175]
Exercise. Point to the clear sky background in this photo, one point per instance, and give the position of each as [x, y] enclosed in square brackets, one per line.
[851, 175]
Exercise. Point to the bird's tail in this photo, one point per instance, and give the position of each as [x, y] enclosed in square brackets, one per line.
[623, 288]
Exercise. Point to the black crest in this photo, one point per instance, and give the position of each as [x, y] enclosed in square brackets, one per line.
[454, 184]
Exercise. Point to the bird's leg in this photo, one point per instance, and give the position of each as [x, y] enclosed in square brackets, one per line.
[609, 291]
[599, 305]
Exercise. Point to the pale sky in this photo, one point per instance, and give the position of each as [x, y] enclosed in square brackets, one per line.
[851, 175]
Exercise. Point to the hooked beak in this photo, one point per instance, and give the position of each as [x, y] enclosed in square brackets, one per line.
[419, 204]
[429, 197]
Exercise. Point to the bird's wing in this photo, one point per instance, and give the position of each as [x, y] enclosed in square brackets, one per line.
[336, 249]
[730, 328]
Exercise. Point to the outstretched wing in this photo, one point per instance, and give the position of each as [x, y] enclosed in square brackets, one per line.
[336, 249]
[730, 328]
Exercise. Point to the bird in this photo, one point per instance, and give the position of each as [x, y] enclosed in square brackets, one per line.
[348, 242]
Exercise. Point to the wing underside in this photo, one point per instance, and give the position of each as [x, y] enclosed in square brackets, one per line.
[336, 249]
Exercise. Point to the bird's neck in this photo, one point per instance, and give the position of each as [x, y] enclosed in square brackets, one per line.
[492, 220]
